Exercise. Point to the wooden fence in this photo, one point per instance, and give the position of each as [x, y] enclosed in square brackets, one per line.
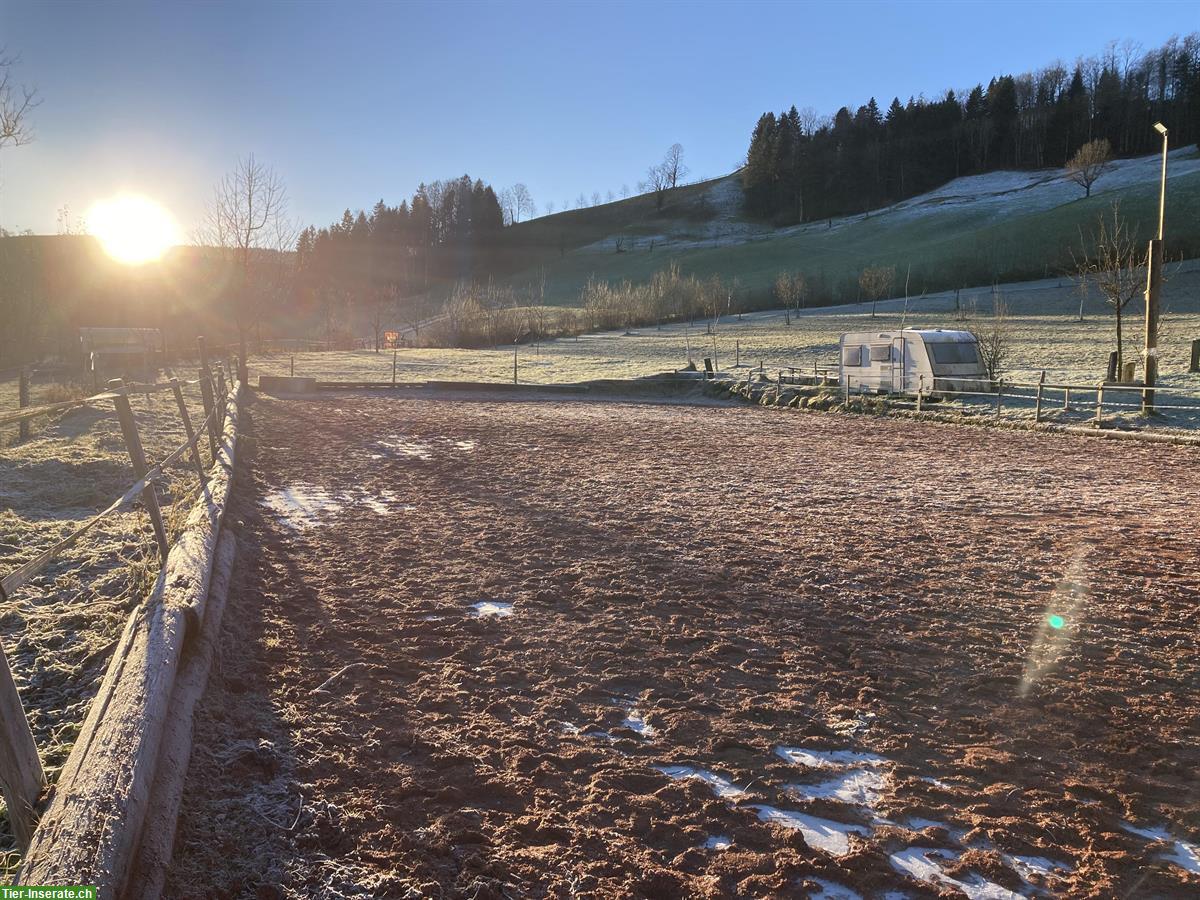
[22, 780]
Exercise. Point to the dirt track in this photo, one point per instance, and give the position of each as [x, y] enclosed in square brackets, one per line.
[697, 587]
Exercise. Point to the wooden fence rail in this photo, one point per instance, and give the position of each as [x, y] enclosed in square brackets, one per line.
[21, 778]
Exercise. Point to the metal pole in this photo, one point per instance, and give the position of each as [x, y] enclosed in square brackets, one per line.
[1153, 290]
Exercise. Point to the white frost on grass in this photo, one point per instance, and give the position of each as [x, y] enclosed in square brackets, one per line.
[924, 864]
[823, 834]
[831, 890]
[1182, 853]
[828, 759]
[485, 608]
[722, 787]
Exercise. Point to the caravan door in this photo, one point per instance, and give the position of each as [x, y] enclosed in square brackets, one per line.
[899, 363]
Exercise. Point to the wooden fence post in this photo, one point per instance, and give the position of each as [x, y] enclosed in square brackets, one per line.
[137, 456]
[1099, 404]
[187, 427]
[206, 394]
[1194, 366]
[394, 355]
[920, 391]
[23, 401]
[222, 397]
[21, 776]
[1066, 399]
[999, 396]
[292, 370]
[1037, 409]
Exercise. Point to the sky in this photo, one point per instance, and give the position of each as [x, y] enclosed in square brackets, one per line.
[353, 102]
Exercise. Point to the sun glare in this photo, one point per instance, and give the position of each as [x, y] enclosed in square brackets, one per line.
[133, 230]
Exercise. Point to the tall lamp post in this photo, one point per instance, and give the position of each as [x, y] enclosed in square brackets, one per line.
[1154, 260]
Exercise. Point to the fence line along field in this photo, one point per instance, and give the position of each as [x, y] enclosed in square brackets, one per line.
[497, 648]
[1043, 323]
[61, 625]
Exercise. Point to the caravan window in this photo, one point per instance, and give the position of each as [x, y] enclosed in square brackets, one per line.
[881, 352]
[852, 355]
[954, 353]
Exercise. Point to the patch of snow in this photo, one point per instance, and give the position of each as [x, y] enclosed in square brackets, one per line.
[465, 446]
[718, 842]
[1182, 853]
[1038, 865]
[859, 787]
[486, 608]
[722, 787]
[823, 834]
[635, 722]
[302, 506]
[828, 759]
[599, 735]
[831, 890]
[923, 864]
[570, 728]
[916, 823]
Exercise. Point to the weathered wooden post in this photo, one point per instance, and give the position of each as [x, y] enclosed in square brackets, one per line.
[514, 363]
[737, 354]
[1099, 404]
[137, 456]
[394, 354]
[1037, 409]
[292, 368]
[222, 397]
[1067, 398]
[21, 776]
[999, 395]
[23, 401]
[206, 395]
[1194, 366]
[187, 427]
[920, 391]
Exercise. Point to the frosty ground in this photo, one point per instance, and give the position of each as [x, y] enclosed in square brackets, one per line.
[1046, 334]
[485, 649]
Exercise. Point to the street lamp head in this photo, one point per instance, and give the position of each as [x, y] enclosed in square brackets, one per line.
[1160, 128]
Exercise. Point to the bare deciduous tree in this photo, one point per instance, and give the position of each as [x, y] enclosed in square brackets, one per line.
[247, 220]
[673, 167]
[876, 283]
[595, 198]
[522, 202]
[1090, 161]
[995, 337]
[1114, 265]
[16, 102]
[624, 191]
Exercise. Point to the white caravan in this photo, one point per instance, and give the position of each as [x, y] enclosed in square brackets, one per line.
[929, 360]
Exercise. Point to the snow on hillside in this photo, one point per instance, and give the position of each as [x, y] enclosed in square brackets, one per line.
[989, 196]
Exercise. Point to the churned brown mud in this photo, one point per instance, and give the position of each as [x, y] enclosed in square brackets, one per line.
[551, 649]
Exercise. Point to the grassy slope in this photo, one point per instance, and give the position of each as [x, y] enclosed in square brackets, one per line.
[958, 246]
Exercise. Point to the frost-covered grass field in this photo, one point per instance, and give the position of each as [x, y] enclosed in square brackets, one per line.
[59, 629]
[1044, 317]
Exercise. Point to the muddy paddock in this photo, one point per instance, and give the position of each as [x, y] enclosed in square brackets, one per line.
[488, 648]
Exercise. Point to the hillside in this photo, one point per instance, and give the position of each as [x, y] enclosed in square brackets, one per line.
[1001, 226]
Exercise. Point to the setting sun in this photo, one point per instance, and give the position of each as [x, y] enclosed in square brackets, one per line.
[133, 230]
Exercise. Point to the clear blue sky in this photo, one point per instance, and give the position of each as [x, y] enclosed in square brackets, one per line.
[351, 102]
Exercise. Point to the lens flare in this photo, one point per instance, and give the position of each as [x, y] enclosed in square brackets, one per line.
[1056, 630]
[133, 230]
